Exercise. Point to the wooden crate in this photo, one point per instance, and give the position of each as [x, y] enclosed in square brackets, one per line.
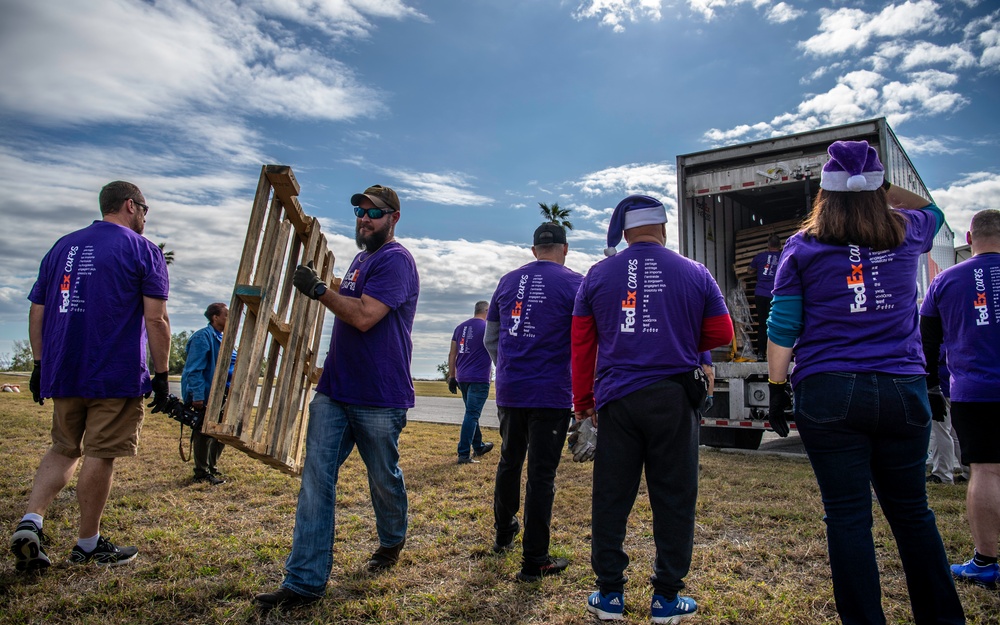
[749, 243]
[266, 413]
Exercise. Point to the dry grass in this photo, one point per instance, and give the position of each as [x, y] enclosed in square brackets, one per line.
[760, 554]
[439, 388]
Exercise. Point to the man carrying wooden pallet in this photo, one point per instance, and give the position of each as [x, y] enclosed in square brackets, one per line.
[361, 399]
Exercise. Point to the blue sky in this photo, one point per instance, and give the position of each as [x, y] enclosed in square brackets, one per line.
[473, 110]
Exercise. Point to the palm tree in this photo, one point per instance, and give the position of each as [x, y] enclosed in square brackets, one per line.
[555, 214]
[168, 255]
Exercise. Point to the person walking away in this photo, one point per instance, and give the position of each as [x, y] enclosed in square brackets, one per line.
[196, 381]
[361, 399]
[528, 337]
[641, 319]
[100, 298]
[845, 299]
[469, 370]
[962, 313]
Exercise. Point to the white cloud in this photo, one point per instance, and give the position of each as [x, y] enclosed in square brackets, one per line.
[924, 53]
[614, 13]
[452, 188]
[782, 13]
[654, 179]
[848, 29]
[928, 145]
[183, 57]
[967, 196]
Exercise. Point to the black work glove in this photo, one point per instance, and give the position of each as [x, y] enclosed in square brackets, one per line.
[453, 386]
[307, 280]
[779, 399]
[161, 393]
[35, 384]
[936, 398]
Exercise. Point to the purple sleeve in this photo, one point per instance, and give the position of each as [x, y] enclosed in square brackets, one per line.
[922, 225]
[38, 290]
[581, 307]
[156, 282]
[929, 306]
[387, 281]
[715, 303]
[786, 281]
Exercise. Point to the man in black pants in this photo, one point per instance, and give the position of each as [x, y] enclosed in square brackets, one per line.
[641, 318]
[527, 335]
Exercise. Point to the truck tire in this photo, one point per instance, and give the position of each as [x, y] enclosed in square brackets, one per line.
[731, 438]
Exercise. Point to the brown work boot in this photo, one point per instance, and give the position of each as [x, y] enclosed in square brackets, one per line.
[384, 558]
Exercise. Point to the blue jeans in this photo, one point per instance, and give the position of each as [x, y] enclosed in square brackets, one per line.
[539, 434]
[474, 395]
[862, 429]
[334, 429]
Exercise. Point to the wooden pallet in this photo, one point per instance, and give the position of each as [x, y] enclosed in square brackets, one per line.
[279, 330]
[749, 243]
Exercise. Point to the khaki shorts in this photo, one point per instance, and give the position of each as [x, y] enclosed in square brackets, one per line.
[107, 428]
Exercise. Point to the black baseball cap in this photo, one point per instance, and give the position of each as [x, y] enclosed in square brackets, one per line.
[549, 233]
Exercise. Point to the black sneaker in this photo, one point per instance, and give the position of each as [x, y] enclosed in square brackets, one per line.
[384, 558]
[283, 598]
[933, 479]
[211, 478]
[28, 546]
[485, 449]
[533, 574]
[504, 542]
[467, 460]
[104, 554]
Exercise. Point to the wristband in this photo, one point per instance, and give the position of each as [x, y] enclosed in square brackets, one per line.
[770, 381]
[886, 185]
[38, 363]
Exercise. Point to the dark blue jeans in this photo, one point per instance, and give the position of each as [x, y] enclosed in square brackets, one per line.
[653, 428]
[538, 433]
[873, 429]
[474, 394]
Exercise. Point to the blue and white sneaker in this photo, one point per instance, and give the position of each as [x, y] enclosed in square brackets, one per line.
[985, 576]
[671, 612]
[609, 607]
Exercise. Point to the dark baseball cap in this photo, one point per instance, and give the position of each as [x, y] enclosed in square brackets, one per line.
[549, 233]
[381, 197]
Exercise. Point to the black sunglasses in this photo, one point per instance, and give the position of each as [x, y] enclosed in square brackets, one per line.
[373, 213]
[145, 209]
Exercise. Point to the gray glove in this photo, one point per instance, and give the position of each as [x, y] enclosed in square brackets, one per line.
[583, 440]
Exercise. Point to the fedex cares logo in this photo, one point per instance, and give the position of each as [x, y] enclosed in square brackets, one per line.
[515, 313]
[350, 280]
[461, 342]
[628, 304]
[856, 280]
[979, 304]
[64, 286]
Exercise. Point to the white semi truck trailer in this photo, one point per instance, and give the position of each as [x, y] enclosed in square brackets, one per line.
[729, 201]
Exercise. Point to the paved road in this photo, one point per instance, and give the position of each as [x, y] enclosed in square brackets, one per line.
[450, 410]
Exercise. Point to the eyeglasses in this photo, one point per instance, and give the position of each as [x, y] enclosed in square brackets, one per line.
[145, 209]
[373, 213]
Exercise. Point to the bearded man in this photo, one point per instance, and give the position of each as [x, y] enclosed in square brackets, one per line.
[361, 399]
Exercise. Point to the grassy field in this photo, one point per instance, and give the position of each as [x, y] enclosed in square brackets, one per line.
[759, 558]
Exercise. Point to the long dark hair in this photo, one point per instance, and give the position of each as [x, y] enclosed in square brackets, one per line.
[861, 218]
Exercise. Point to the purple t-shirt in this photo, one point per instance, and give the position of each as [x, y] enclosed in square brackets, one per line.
[967, 299]
[766, 265]
[373, 368]
[705, 358]
[92, 283]
[472, 361]
[534, 306]
[648, 304]
[859, 306]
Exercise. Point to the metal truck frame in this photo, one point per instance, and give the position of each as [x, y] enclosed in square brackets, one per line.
[723, 191]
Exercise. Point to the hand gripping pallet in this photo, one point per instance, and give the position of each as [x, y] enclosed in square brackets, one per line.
[272, 320]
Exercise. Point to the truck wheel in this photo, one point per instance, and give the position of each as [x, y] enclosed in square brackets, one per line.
[731, 438]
